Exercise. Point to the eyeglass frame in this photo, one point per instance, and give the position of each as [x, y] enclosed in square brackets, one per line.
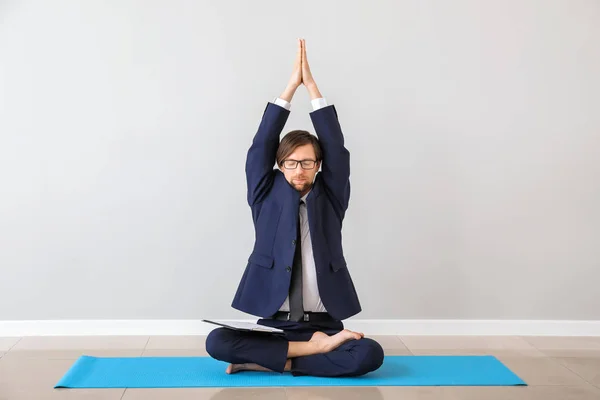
[299, 162]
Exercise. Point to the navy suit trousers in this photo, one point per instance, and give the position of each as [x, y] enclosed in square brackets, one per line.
[353, 358]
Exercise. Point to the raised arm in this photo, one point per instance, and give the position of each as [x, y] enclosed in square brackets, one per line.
[335, 167]
[260, 159]
[336, 158]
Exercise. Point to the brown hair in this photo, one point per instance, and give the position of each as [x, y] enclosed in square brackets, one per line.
[294, 139]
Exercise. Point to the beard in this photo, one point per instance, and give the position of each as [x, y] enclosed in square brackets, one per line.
[302, 186]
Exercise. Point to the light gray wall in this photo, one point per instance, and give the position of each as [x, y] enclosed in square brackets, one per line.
[474, 130]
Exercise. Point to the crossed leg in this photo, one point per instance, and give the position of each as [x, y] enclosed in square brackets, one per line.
[345, 353]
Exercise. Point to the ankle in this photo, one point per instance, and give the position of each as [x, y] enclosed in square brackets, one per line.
[323, 346]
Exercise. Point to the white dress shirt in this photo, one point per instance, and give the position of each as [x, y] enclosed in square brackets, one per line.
[310, 290]
[316, 103]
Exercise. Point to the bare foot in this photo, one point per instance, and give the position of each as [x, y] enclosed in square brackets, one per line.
[233, 368]
[335, 341]
[318, 336]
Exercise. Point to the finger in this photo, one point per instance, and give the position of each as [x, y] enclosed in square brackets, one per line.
[304, 48]
[304, 58]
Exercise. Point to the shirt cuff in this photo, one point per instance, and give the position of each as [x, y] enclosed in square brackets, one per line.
[318, 103]
[282, 103]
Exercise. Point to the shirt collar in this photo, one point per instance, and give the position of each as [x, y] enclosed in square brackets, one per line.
[303, 198]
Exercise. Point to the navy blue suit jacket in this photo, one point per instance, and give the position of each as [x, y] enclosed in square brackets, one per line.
[265, 283]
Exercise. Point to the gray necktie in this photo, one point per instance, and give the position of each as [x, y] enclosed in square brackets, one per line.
[296, 304]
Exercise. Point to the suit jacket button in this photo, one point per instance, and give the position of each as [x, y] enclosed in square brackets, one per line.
[288, 269]
[294, 242]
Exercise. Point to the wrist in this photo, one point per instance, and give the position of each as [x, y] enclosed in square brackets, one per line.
[313, 91]
[288, 93]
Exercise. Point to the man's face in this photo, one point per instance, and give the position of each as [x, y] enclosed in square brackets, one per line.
[301, 179]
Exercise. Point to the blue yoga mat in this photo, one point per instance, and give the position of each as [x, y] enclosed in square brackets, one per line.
[178, 372]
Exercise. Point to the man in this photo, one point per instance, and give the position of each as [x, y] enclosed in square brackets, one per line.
[296, 278]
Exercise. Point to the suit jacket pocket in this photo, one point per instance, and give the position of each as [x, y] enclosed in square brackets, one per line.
[261, 259]
[338, 263]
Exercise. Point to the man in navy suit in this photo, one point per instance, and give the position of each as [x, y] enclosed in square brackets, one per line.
[296, 278]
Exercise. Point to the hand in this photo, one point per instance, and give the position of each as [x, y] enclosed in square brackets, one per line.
[307, 78]
[296, 78]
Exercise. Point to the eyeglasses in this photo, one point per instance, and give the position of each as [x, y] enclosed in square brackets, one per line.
[305, 164]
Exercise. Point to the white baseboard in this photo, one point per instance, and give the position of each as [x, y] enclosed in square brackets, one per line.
[369, 327]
